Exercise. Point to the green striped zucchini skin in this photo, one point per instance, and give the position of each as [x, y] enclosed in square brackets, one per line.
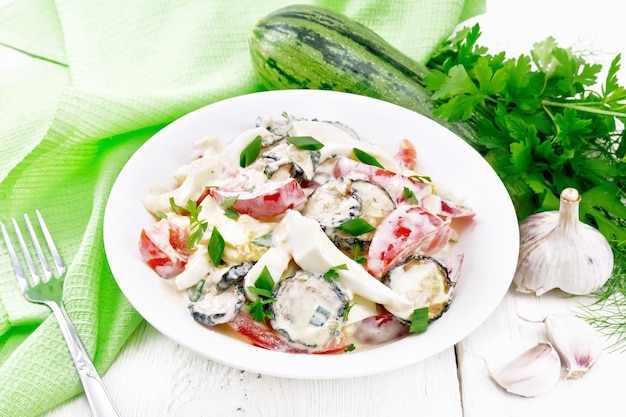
[310, 47]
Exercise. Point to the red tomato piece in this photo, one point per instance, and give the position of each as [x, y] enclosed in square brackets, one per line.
[260, 336]
[163, 248]
[379, 329]
[456, 210]
[406, 156]
[392, 182]
[267, 201]
[406, 230]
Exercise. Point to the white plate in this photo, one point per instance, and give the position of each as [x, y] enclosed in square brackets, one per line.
[490, 246]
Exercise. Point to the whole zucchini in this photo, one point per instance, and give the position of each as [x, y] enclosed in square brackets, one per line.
[302, 46]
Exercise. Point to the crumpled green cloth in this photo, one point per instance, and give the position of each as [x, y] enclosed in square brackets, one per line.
[106, 75]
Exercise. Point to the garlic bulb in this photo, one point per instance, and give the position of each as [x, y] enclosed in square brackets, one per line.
[577, 343]
[557, 250]
[531, 373]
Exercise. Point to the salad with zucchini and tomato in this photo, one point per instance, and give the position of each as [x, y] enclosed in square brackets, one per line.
[305, 239]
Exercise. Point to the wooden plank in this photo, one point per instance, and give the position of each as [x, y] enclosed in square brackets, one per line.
[156, 377]
[503, 336]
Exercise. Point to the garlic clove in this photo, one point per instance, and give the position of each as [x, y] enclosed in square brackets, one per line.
[531, 373]
[578, 344]
[557, 250]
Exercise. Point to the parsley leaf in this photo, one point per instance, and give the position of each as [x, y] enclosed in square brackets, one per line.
[216, 247]
[333, 273]
[263, 287]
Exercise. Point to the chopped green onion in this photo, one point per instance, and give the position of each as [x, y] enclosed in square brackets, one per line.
[307, 143]
[421, 178]
[160, 214]
[356, 227]
[216, 247]
[419, 320]
[333, 273]
[410, 196]
[319, 317]
[263, 241]
[366, 158]
[350, 348]
[250, 152]
[194, 293]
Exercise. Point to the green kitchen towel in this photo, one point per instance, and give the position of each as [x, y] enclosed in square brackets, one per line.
[105, 76]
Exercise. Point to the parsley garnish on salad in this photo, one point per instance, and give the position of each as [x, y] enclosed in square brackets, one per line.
[333, 273]
[409, 195]
[197, 226]
[229, 211]
[263, 287]
[216, 247]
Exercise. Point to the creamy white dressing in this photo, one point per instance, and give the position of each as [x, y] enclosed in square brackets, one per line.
[298, 242]
[316, 253]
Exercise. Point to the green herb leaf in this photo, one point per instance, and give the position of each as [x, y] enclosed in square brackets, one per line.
[194, 293]
[265, 280]
[366, 158]
[346, 311]
[307, 143]
[410, 196]
[419, 320]
[333, 273]
[263, 287]
[263, 241]
[250, 152]
[216, 247]
[160, 214]
[356, 226]
[358, 258]
[350, 348]
[259, 312]
[231, 213]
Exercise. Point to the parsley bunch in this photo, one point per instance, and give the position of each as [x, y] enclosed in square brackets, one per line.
[543, 124]
[540, 123]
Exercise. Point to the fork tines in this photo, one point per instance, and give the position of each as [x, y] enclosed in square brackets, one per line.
[19, 271]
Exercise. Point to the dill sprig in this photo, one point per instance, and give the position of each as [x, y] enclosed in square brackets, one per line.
[608, 311]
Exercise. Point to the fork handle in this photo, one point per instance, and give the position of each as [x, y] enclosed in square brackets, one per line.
[99, 399]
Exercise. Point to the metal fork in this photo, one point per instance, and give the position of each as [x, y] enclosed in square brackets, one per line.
[49, 291]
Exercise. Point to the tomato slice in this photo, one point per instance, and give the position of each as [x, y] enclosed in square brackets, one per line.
[162, 246]
[267, 201]
[406, 157]
[392, 182]
[260, 336]
[382, 328]
[406, 230]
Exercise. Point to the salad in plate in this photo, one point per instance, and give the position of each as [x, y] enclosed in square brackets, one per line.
[305, 239]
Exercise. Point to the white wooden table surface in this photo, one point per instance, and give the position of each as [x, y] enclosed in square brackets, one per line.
[156, 377]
